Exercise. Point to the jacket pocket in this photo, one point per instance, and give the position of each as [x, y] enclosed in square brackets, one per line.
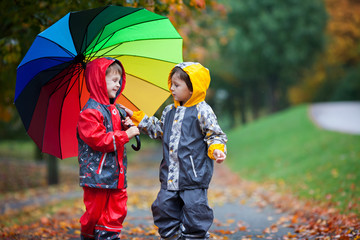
[193, 166]
[101, 164]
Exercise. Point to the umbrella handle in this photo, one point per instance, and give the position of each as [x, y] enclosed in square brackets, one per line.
[138, 143]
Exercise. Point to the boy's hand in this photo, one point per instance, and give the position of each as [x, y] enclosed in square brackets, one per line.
[219, 156]
[127, 123]
[132, 132]
[128, 111]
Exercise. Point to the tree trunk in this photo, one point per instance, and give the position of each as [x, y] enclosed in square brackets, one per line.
[255, 103]
[273, 94]
[283, 98]
[39, 157]
[53, 170]
[242, 106]
[232, 110]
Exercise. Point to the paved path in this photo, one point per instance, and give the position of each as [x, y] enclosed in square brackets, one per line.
[337, 116]
[238, 213]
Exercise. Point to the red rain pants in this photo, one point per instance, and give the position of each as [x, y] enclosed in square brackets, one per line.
[105, 210]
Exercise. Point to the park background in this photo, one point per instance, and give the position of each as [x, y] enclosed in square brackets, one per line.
[269, 61]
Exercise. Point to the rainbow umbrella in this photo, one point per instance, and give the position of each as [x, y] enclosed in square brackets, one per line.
[50, 85]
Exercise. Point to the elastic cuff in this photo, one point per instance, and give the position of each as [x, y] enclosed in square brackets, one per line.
[137, 117]
[213, 147]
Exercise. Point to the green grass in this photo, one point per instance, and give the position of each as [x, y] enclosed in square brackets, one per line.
[289, 150]
[20, 149]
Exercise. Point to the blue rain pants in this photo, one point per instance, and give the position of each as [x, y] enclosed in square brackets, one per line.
[182, 214]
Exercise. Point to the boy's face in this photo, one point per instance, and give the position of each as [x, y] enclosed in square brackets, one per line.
[112, 83]
[179, 89]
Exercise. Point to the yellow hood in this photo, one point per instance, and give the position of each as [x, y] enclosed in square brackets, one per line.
[200, 79]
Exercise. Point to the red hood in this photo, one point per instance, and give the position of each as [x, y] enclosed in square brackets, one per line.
[95, 80]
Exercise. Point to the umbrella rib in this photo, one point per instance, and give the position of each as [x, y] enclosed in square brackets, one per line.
[81, 86]
[62, 102]
[53, 69]
[51, 58]
[152, 20]
[65, 50]
[118, 44]
[130, 101]
[139, 23]
[113, 47]
[60, 117]
[141, 79]
[70, 70]
[147, 21]
[94, 53]
[113, 33]
[160, 60]
[74, 72]
[84, 40]
[86, 35]
[89, 56]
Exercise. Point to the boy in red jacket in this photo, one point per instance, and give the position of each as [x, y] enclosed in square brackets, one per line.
[102, 155]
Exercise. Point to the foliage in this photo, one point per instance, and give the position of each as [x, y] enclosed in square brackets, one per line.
[274, 41]
[336, 67]
[199, 27]
[289, 150]
[18, 149]
[348, 88]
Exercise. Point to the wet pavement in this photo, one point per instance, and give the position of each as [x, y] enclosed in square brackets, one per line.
[238, 213]
[337, 116]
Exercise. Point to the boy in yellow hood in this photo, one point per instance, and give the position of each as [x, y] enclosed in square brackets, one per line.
[191, 140]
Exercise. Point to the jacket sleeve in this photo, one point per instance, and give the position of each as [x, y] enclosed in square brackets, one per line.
[214, 136]
[93, 132]
[151, 126]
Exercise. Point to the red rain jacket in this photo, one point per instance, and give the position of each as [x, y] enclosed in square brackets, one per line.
[102, 154]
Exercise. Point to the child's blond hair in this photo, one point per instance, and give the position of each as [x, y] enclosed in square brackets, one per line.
[114, 67]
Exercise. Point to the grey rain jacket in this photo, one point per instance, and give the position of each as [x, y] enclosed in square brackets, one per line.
[189, 134]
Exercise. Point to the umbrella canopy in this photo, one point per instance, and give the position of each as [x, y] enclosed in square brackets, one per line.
[50, 85]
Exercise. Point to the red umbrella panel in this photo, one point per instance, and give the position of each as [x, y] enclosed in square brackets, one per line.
[47, 110]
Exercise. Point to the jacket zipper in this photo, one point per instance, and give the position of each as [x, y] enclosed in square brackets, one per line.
[101, 163]
[193, 166]
[120, 163]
